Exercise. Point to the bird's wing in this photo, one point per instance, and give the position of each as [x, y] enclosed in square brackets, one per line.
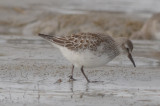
[79, 41]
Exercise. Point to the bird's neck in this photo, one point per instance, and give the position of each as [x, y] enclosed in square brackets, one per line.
[119, 42]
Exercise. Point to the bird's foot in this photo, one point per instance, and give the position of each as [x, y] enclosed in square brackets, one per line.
[71, 78]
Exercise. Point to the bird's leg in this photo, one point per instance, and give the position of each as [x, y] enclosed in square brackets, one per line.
[71, 76]
[87, 77]
[84, 74]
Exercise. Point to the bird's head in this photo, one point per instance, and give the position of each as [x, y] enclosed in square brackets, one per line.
[126, 47]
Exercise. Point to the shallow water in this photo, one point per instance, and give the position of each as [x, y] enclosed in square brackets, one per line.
[34, 72]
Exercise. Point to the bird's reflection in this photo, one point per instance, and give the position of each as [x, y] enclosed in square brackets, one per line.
[71, 86]
[72, 83]
[85, 89]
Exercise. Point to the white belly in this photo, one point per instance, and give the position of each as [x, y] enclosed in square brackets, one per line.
[85, 58]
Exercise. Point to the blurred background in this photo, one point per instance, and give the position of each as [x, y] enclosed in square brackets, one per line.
[34, 73]
[118, 17]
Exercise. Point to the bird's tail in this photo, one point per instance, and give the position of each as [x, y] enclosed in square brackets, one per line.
[52, 39]
[47, 37]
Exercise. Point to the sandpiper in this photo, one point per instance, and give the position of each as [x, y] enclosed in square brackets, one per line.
[86, 50]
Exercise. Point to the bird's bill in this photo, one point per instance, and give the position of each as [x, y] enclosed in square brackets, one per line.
[130, 57]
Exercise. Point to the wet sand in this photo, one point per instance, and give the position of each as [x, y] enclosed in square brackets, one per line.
[33, 73]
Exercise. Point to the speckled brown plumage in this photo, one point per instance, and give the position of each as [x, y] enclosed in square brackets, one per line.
[82, 41]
